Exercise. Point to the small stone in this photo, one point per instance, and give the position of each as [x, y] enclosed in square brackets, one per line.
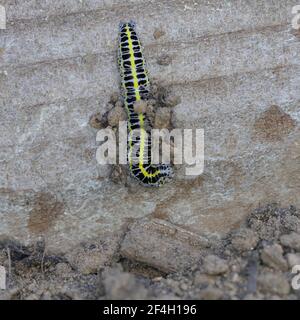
[293, 259]
[244, 239]
[162, 118]
[274, 283]
[96, 121]
[116, 115]
[184, 286]
[158, 33]
[291, 240]
[157, 279]
[140, 106]
[214, 265]
[272, 256]
[203, 279]
[211, 293]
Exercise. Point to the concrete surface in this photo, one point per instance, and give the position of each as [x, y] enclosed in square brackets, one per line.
[235, 65]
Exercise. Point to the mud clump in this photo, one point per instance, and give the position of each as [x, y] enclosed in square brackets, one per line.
[115, 115]
[245, 239]
[46, 210]
[273, 125]
[162, 118]
[96, 121]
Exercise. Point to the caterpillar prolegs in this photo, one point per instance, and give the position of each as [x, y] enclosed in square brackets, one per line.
[135, 87]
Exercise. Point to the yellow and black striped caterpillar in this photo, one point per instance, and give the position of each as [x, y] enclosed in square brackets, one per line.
[135, 87]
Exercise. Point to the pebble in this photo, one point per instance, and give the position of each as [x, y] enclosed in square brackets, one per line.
[291, 240]
[293, 259]
[244, 240]
[211, 293]
[203, 279]
[274, 283]
[162, 118]
[214, 265]
[116, 115]
[96, 121]
[272, 256]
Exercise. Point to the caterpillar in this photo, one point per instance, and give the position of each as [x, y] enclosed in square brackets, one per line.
[135, 86]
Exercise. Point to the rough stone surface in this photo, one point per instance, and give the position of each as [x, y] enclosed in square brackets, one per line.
[230, 63]
[156, 243]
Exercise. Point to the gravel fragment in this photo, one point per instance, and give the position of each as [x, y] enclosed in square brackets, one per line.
[213, 265]
[244, 239]
[211, 293]
[272, 256]
[274, 283]
[293, 259]
[162, 118]
[291, 240]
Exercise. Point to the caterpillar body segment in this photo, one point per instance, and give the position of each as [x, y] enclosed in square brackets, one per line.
[135, 86]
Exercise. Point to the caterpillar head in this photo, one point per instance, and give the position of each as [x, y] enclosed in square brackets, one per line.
[130, 24]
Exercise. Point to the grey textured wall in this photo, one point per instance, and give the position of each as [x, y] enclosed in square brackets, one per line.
[235, 65]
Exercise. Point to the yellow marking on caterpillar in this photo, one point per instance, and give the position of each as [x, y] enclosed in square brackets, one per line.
[142, 149]
[141, 117]
[133, 67]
